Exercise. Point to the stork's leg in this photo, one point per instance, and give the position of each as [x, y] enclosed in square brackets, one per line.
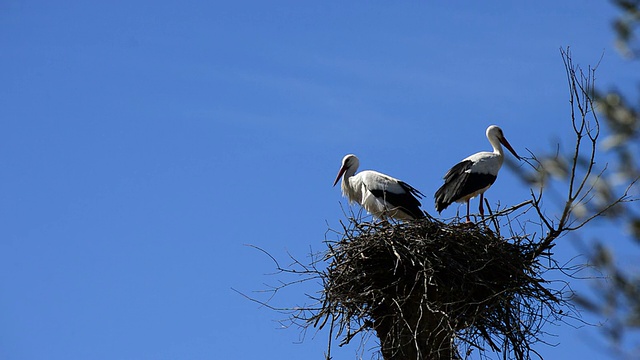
[481, 206]
[468, 218]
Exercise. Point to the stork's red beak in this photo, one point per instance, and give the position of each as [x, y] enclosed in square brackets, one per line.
[506, 144]
[342, 170]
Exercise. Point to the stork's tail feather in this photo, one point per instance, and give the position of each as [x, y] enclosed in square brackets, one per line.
[441, 201]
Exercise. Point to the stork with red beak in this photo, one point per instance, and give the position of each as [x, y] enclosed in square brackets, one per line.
[381, 195]
[474, 175]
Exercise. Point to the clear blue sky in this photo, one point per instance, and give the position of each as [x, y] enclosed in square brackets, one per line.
[143, 143]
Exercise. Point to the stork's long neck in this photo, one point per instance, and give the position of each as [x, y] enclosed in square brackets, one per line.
[348, 189]
[349, 172]
[497, 148]
[498, 154]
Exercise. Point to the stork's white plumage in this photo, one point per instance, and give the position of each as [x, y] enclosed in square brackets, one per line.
[474, 175]
[381, 195]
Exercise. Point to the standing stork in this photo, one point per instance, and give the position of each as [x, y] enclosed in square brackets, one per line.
[474, 175]
[381, 195]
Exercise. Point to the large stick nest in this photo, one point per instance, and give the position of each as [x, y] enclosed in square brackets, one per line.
[434, 288]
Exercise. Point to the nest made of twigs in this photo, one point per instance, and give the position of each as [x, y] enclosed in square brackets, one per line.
[432, 283]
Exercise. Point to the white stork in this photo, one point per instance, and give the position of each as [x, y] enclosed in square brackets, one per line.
[381, 195]
[474, 175]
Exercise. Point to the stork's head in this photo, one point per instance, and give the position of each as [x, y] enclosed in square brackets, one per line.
[494, 132]
[350, 161]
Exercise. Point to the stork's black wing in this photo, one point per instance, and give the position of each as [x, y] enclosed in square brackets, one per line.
[460, 182]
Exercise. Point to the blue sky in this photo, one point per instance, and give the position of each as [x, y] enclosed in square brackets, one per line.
[142, 144]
